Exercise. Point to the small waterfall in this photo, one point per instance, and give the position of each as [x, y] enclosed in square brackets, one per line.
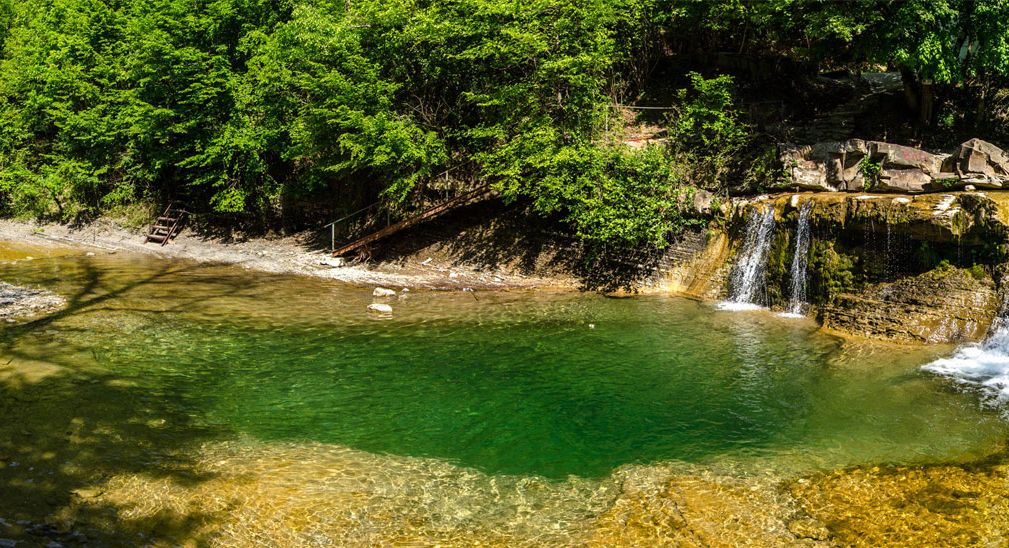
[748, 284]
[984, 365]
[800, 262]
[888, 257]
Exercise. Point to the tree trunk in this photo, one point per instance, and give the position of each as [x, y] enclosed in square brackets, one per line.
[911, 95]
[927, 103]
[982, 114]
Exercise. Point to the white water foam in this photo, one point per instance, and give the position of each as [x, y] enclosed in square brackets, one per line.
[984, 365]
[800, 263]
[736, 307]
[748, 283]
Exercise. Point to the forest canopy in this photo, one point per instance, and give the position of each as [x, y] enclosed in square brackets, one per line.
[308, 109]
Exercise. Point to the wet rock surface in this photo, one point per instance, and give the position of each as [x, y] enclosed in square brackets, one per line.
[312, 495]
[937, 506]
[703, 512]
[20, 302]
[940, 306]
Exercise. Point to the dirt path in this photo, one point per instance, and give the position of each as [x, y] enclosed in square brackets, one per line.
[289, 255]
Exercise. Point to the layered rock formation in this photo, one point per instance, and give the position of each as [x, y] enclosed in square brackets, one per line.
[939, 306]
[856, 166]
[910, 269]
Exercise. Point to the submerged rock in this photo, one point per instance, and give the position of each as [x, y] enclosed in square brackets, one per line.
[935, 506]
[21, 301]
[700, 512]
[383, 292]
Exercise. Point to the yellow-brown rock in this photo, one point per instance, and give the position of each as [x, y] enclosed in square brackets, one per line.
[935, 507]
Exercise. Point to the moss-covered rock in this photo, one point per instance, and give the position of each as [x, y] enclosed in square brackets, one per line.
[923, 269]
[943, 305]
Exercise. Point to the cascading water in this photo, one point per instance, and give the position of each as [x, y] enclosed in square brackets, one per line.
[800, 262]
[984, 365]
[748, 284]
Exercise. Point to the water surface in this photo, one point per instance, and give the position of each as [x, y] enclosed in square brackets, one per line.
[155, 359]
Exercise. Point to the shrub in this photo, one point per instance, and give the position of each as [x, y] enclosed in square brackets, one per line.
[706, 130]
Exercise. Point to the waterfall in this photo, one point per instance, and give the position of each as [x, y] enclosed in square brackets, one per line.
[984, 365]
[749, 281]
[800, 262]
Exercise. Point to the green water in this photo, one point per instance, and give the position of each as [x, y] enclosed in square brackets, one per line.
[507, 382]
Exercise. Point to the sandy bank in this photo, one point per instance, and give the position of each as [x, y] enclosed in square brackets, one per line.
[294, 254]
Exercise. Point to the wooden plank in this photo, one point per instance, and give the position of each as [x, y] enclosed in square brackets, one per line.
[432, 212]
[165, 226]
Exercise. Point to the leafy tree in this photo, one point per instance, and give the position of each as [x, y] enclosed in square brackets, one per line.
[59, 92]
[706, 130]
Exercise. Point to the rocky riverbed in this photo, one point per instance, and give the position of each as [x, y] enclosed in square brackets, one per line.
[18, 301]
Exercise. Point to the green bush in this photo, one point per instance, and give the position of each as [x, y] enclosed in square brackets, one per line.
[706, 131]
[870, 172]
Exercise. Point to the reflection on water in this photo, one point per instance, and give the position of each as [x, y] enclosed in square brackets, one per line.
[167, 387]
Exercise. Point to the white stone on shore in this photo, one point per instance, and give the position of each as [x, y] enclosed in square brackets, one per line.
[383, 292]
[379, 307]
[334, 262]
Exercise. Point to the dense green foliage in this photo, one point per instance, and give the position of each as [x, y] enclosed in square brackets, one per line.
[271, 108]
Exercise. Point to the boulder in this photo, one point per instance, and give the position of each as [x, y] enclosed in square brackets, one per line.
[909, 180]
[981, 158]
[805, 173]
[380, 308]
[383, 292]
[334, 262]
[838, 166]
[700, 202]
[811, 176]
[829, 166]
[899, 156]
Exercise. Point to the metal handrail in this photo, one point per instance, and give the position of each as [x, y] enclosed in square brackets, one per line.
[332, 225]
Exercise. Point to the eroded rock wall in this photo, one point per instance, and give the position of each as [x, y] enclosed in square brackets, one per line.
[939, 306]
[696, 265]
[909, 269]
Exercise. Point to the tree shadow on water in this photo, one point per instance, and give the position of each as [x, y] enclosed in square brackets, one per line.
[67, 427]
